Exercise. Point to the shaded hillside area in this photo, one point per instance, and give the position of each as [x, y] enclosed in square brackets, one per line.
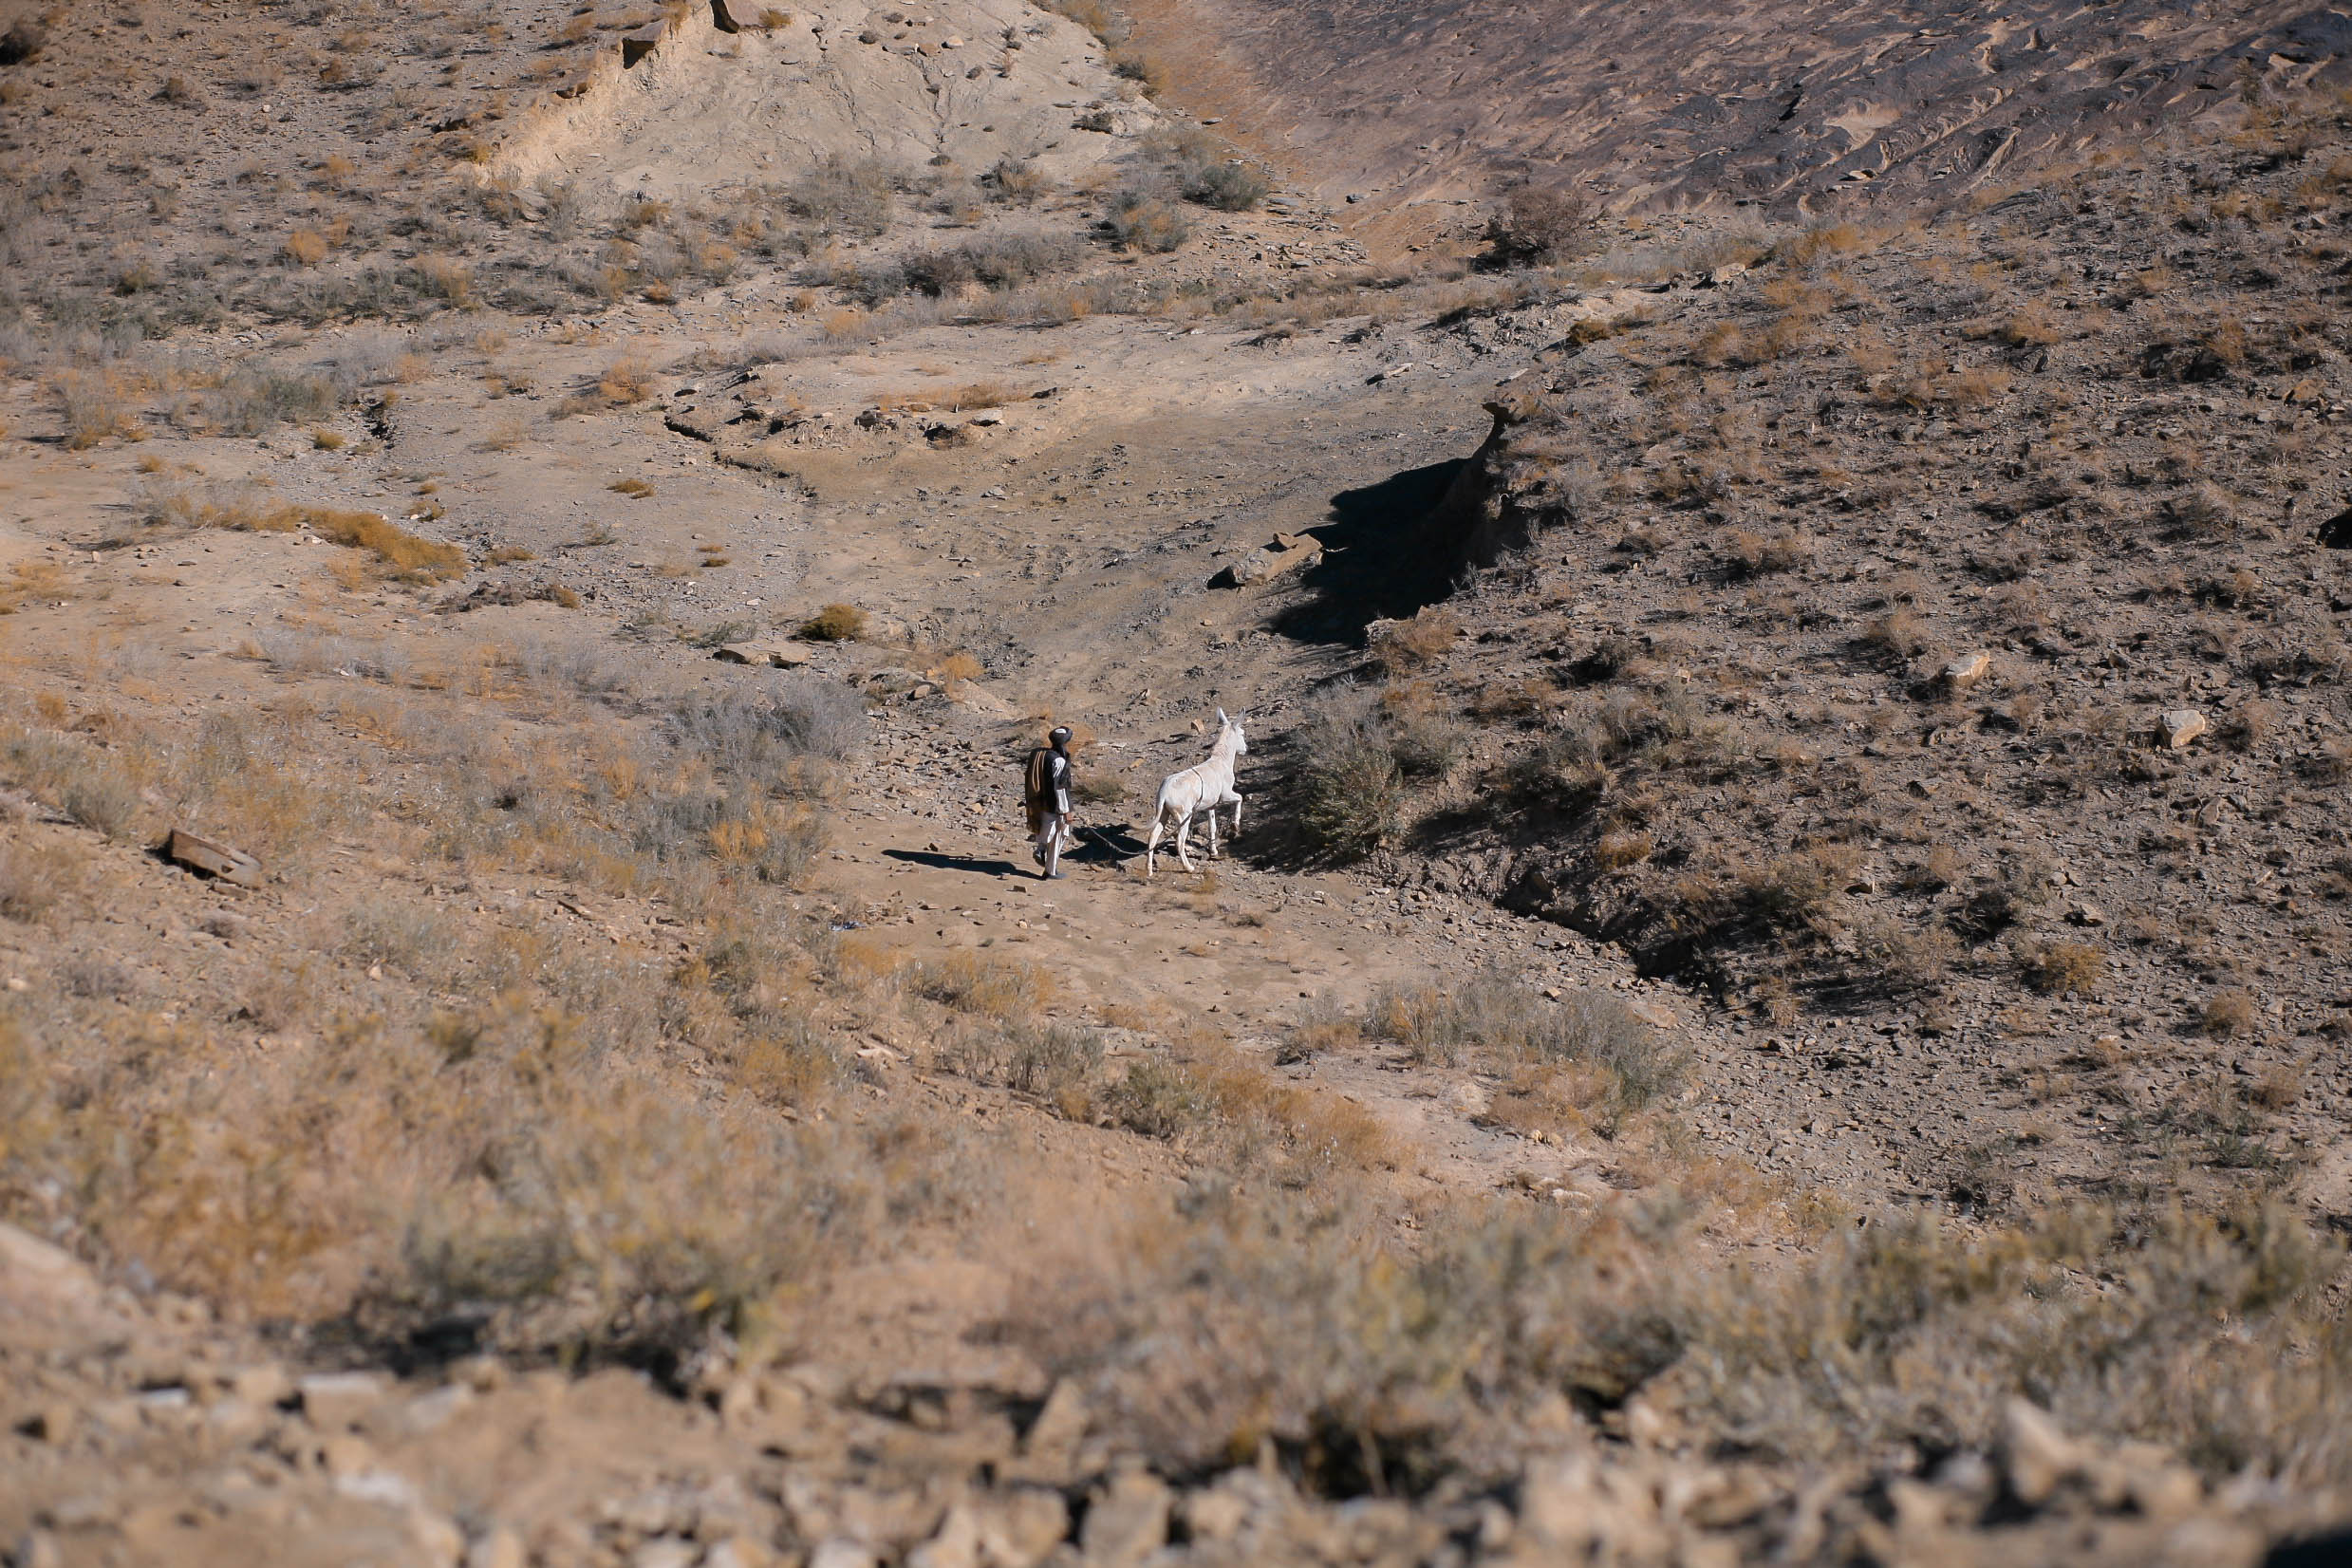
[1776, 103]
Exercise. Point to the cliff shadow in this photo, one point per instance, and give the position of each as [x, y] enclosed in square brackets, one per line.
[1385, 554]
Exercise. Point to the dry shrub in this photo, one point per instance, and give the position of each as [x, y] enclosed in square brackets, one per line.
[306, 248]
[1017, 180]
[1965, 388]
[1501, 1021]
[997, 988]
[1402, 646]
[627, 380]
[1528, 697]
[1536, 225]
[2229, 1014]
[1140, 220]
[327, 440]
[1309, 1327]
[1900, 632]
[2066, 968]
[1826, 242]
[96, 787]
[1615, 850]
[1759, 555]
[1136, 66]
[409, 557]
[1548, 1099]
[633, 488]
[958, 668]
[33, 583]
[440, 277]
[97, 404]
[1351, 784]
[1322, 1025]
[2032, 327]
[2251, 723]
[1213, 1102]
[978, 394]
[2280, 1084]
[834, 623]
[1056, 1064]
[36, 876]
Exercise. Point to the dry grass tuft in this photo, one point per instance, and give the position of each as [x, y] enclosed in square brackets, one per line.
[97, 404]
[834, 623]
[2230, 1015]
[1403, 646]
[2066, 968]
[306, 248]
[628, 380]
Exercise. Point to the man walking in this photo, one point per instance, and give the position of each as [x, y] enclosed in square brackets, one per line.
[1046, 792]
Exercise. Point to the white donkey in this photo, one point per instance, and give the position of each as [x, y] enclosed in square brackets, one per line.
[1201, 788]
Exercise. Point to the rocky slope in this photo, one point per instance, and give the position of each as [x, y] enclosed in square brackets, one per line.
[1767, 105]
[1730, 1033]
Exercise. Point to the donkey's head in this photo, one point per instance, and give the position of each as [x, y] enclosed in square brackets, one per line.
[1232, 727]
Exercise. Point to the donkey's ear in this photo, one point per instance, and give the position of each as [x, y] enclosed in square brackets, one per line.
[1221, 718]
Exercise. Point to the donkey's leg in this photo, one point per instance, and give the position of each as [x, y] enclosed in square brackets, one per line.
[1184, 828]
[1212, 829]
[1158, 820]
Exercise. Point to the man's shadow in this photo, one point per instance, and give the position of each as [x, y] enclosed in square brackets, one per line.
[1111, 845]
[954, 863]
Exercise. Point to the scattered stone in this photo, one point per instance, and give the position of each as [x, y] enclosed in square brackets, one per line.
[429, 1412]
[2084, 913]
[1584, 1511]
[666, 1552]
[1288, 553]
[778, 654]
[51, 1424]
[2179, 726]
[2157, 1483]
[1059, 1426]
[214, 859]
[957, 1544]
[2036, 1455]
[1020, 1528]
[1127, 1521]
[498, 1548]
[1968, 671]
[336, 1401]
[346, 1455]
[636, 46]
[262, 1386]
[840, 1552]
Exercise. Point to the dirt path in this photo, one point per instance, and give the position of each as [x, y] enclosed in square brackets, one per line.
[933, 862]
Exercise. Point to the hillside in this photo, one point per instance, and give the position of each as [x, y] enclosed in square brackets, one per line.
[1782, 107]
[1778, 991]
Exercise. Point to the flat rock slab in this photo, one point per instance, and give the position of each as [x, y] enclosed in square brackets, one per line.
[783, 656]
[214, 859]
[1286, 554]
[2178, 727]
